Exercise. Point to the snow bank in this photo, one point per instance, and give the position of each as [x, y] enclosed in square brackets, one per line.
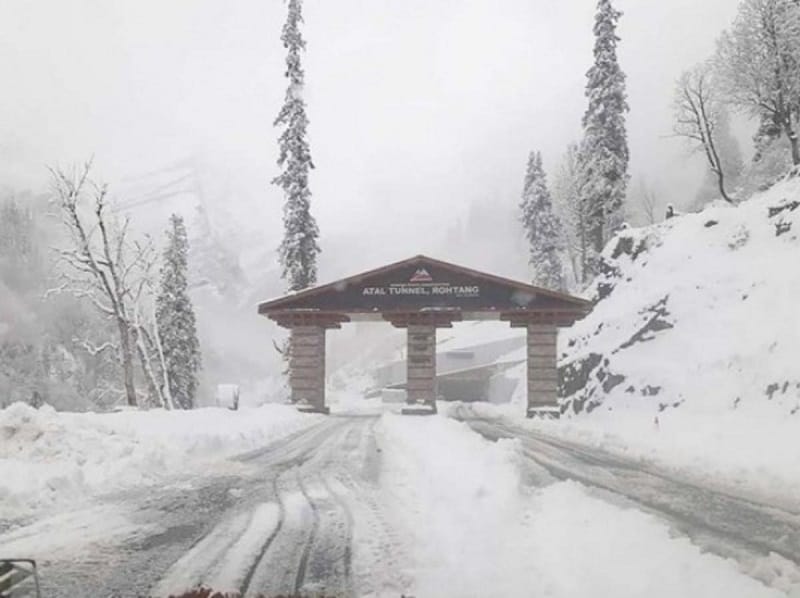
[455, 495]
[49, 457]
[581, 546]
[754, 456]
[476, 532]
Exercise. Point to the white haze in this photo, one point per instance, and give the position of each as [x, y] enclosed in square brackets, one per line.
[421, 112]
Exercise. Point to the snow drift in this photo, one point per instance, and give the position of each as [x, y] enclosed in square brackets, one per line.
[56, 458]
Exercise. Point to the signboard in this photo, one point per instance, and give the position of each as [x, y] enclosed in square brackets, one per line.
[420, 286]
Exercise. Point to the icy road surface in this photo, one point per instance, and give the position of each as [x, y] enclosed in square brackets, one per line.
[281, 522]
[383, 506]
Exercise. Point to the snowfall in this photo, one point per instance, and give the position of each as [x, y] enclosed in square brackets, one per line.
[469, 525]
[712, 392]
[691, 362]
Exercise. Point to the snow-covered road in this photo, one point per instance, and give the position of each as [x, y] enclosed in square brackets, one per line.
[764, 538]
[281, 521]
[369, 505]
[292, 529]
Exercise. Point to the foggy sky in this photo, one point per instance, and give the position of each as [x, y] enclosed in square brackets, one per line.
[417, 107]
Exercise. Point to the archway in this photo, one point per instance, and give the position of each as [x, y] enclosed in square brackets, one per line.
[421, 294]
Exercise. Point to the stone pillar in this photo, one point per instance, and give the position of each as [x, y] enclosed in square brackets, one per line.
[542, 371]
[307, 367]
[421, 366]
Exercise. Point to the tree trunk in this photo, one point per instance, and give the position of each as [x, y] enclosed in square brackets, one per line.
[156, 396]
[795, 148]
[791, 135]
[584, 249]
[598, 234]
[573, 260]
[165, 380]
[127, 361]
[721, 184]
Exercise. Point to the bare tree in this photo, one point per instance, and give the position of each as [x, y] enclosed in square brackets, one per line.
[107, 268]
[758, 64]
[697, 117]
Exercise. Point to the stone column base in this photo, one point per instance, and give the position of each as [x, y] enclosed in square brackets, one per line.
[421, 367]
[307, 367]
[534, 412]
[542, 370]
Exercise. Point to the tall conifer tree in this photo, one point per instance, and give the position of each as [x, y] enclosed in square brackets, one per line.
[604, 151]
[298, 250]
[176, 320]
[542, 227]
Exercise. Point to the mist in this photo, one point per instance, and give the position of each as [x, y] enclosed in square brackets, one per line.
[421, 113]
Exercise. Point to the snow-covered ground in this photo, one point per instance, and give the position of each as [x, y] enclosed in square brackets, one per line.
[689, 362]
[697, 313]
[475, 531]
[53, 459]
[690, 358]
[754, 456]
[431, 509]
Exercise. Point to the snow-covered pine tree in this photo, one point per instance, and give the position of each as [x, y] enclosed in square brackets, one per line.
[604, 150]
[176, 320]
[758, 66]
[542, 227]
[298, 250]
[570, 212]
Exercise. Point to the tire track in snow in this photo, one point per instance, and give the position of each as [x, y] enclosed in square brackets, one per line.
[229, 555]
[298, 460]
[284, 519]
[305, 553]
[329, 549]
[192, 569]
[248, 578]
[727, 525]
[327, 566]
[348, 539]
[301, 569]
[379, 559]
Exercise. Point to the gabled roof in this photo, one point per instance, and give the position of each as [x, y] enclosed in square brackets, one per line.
[421, 282]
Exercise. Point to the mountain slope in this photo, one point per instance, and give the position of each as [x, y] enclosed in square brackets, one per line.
[700, 312]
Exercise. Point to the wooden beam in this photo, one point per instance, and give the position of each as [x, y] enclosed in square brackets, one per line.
[437, 319]
[522, 318]
[297, 318]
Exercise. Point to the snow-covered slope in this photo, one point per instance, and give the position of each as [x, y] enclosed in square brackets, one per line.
[690, 358]
[701, 313]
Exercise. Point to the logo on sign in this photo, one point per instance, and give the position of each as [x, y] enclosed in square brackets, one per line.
[421, 275]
